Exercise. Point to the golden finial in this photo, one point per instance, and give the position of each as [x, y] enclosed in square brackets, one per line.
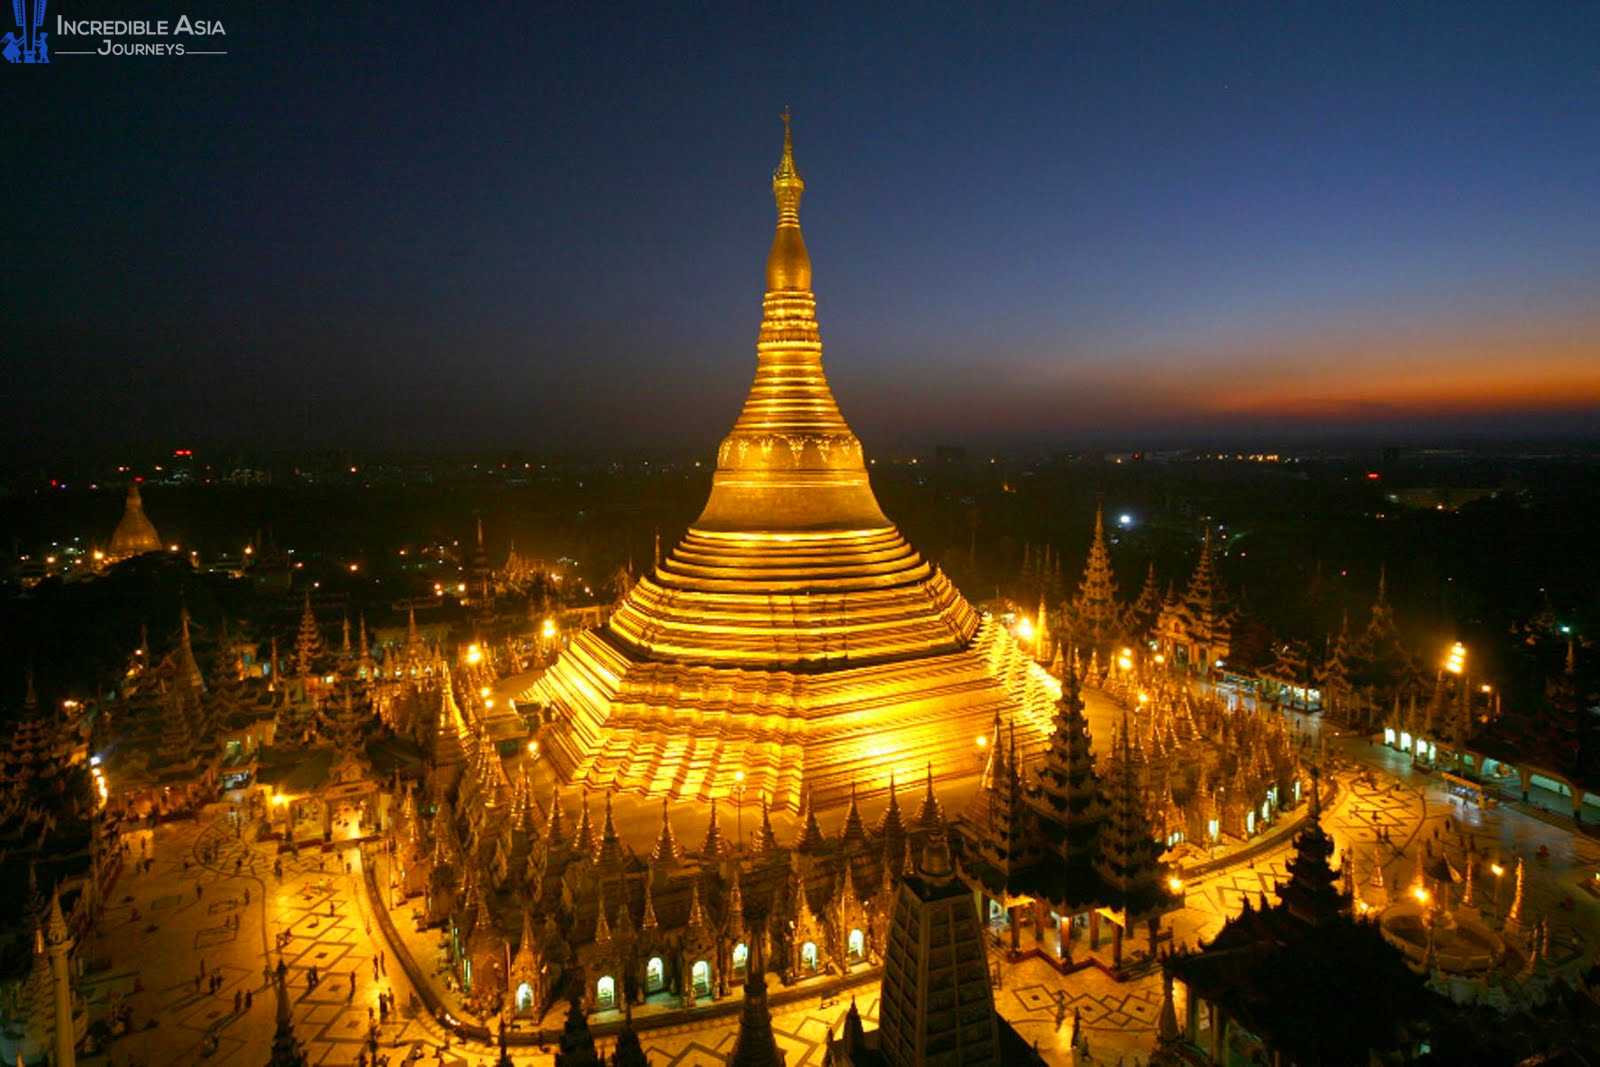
[788, 266]
[786, 183]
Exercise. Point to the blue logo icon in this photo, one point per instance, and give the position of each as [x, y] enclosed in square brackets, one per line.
[30, 47]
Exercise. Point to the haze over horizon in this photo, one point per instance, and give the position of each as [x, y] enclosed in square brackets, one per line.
[1116, 225]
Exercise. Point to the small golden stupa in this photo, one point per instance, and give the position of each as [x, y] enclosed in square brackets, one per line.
[793, 641]
[135, 534]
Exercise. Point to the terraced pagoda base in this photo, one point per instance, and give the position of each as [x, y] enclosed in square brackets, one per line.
[678, 730]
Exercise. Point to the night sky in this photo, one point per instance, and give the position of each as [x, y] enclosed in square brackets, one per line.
[528, 226]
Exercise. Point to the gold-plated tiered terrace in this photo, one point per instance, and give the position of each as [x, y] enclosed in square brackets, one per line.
[793, 637]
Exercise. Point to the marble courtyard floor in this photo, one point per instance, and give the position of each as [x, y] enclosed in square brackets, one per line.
[194, 915]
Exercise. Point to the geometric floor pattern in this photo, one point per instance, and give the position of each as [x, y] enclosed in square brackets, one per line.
[212, 909]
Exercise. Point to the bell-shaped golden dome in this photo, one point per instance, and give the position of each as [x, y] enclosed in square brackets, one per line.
[135, 534]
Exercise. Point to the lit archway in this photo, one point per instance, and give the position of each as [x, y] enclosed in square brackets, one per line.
[808, 955]
[524, 998]
[741, 956]
[857, 944]
[605, 993]
[701, 976]
[655, 975]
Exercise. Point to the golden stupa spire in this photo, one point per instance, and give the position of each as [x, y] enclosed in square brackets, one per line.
[791, 463]
[788, 265]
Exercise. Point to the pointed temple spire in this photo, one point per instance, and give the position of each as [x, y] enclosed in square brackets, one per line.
[555, 832]
[755, 1045]
[308, 641]
[1127, 855]
[1069, 790]
[1312, 891]
[286, 1048]
[628, 1051]
[583, 840]
[667, 852]
[576, 1046]
[188, 667]
[648, 921]
[892, 829]
[853, 836]
[715, 845]
[1096, 616]
[609, 854]
[809, 836]
[930, 816]
[765, 838]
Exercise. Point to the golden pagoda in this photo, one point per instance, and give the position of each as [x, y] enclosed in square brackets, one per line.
[793, 635]
[135, 534]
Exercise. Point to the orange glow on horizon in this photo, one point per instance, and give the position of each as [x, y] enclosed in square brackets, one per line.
[1483, 377]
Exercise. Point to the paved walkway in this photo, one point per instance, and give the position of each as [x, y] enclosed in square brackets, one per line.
[194, 913]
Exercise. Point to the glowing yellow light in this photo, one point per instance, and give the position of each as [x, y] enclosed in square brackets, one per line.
[549, 630]
[461, 588]
[99, 555]
[738, 776]
[983, 742]
[1457, 659]
[1175, 883]
[1144, 698]
[484, 692]
[533, 748]
[488, 703]
[278, 801]
[474, 656]
[1127, 652]
[354, 567]
[172, 548]
[249, 550]
[1497, 869]
[1125, 663]
[1420, 893]
[1160, 658]
[1485, 689]
[1024, 629]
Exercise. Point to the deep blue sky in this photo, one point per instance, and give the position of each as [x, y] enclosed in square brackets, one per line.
[454, 226]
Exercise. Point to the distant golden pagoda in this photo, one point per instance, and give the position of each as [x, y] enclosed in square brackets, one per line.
[135, 534]
[793, 635]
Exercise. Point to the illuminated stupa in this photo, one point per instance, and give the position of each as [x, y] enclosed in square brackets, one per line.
[135, 534]
[793, 635]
